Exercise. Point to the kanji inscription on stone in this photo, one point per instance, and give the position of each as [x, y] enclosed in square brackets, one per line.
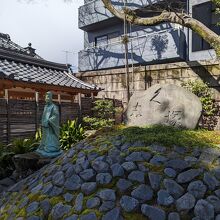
[136, 111]
[174, 118]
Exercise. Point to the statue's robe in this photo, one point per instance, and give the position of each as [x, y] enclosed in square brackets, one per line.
[50, 145]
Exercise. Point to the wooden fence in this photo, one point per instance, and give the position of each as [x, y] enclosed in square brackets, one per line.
[21, 118]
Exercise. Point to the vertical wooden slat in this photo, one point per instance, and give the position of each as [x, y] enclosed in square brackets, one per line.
[36, 111]
[8, 116]
[80, 107]
[59, 106]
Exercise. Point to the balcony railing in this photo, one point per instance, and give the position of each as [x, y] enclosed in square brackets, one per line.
[94, 11]
[148, 48]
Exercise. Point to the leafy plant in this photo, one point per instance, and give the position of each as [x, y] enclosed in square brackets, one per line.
[104, 112]
[204, 93]
[18, 146]
[96, 123]
[70, 133]
[38, 135]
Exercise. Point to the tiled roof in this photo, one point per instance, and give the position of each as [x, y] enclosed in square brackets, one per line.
[36, 74]
[17, 65]
[7, 44]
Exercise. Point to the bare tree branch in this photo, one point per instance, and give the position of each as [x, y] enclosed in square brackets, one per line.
[168, 16]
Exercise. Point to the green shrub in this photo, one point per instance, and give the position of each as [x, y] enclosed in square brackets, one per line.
[70, 133]
[96, 123]
[104, 112]
[204, 93]
[22, 146]
[18, 146]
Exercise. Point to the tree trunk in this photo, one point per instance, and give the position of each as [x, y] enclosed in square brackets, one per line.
[178, 18]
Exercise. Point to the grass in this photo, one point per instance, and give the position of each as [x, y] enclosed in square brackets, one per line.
[169, 136]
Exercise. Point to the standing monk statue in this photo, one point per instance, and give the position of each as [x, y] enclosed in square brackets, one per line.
[50, 145]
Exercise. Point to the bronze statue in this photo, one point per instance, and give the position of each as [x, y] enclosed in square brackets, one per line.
[50, 145]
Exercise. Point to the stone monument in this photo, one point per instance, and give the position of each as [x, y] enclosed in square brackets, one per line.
[50, 145]
[164, 104]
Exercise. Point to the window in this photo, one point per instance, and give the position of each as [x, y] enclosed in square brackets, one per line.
[101, 40]
[206, 14]
[107, 39]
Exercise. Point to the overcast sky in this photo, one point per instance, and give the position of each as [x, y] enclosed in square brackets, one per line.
[50, 25]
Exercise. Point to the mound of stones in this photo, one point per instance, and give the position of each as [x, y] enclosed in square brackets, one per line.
[119, 180]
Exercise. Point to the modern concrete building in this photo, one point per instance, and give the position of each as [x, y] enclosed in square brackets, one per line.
[164, 43]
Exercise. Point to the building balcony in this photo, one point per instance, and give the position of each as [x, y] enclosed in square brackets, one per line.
[93, 12]
[156, 47]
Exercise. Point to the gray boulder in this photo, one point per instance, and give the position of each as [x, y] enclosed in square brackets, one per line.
[103, 178]
[143, 193]
[58, 178]
[177, 164]
[113, 214]
[164, 104]
[73, 183]
[170, 172]
[59, 210]
[137, 176]
[68, 197]
[107, 195]
[32, 207]
[173, 188]
[129, 166]
[158, 160]
[90, 216]
[87, 174]
[155, 180]
[128, 203]
[186, 202]
[100, 166]
[93, 203]
[204, 210]
[174, 216]
[79, 202]
[188, 175]
[215, 201]
[210, 181]
[72, 217]
[197, 189]
[153, 213]
[88, 188]
[164, 198]
[117, 170]
[106, 206]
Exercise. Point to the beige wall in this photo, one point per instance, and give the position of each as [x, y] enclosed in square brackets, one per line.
[114, 82]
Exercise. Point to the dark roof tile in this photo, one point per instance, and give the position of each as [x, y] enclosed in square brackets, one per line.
[31, 73]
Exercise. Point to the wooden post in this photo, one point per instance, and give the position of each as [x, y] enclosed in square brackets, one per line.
[8, 116]
[92, 96]
[92, 105]
[37, 110]
[59, 106]
[80, 107]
